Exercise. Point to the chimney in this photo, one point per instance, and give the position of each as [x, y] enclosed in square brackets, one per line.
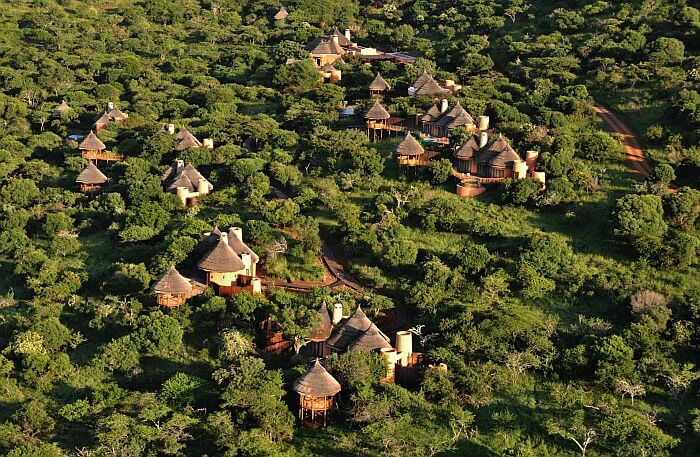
[337, 313]
[110, 106]
[237, 232]
[182, 194]
[335, 41]
[202, 186]
[404, 346]
[224, 237]
[247, 261]
[483, 122]
[443, 105]
[179, 165]
[347, 34]
[531, 159]
[171, 129]
[208, 143]
[483, 139]
[257, 285]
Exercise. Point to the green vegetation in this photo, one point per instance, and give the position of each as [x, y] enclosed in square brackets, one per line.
[568, 318]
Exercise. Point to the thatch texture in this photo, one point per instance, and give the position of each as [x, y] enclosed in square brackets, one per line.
[409, 147]
[316, 382]
[221, 259]
[325, 327]
[379, 84]
[92, 143]
[91, 175]
[377, 111]
[173, 283]
[370, 340]
[349, 330]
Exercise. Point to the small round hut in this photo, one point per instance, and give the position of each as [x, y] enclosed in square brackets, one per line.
[172, 289]
[409, 151]
[378, 86]
[222, 265]
[91, 179]
[92, 144]
[376, 118]
[316, 389]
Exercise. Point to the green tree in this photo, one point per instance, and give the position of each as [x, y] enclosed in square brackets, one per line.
[638, 216]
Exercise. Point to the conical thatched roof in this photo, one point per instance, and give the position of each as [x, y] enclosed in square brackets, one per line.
[172, 282]
[377, 111]
[324, 329]
[221, 259]
[281, 14]
[431, 114]
[429, 87]
[186, 140]
[409, 147]
[239, 246]
[467, 150]
[456, 117]
[213, 237]
[63, 106]
[504, 153]
[184, 176]
[104, 119]
[421, 79]
[327, 47]
[372, 339]
[181, 180]
[91, 175]
[92, 143]
[342, 39]
[116, 114]
[349, 330]
[379, 83]
[316, 382]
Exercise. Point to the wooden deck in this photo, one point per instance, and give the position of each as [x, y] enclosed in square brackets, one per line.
[482, 180]
[109, 156]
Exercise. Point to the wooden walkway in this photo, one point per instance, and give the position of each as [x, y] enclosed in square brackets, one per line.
[108, 156]
[459, 175]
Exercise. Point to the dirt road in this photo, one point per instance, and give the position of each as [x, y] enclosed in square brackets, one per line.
[633, 147]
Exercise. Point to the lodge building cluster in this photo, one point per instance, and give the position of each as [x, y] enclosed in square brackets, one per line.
[228, 265]
[482, 159]
[180, 179]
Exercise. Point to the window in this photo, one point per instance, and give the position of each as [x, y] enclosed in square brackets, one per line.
[497, 173]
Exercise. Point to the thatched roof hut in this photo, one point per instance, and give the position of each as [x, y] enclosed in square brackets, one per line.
[235, 240]
[431, 114]
[91, 143]
[379, 84]
[325, 327]
[409, 146]
[467, 150]
[91, 176]
[117, 115]
[377, 112]
[186, 140]
[316, 382]
[281, 14]
[456, 117]
[172, 282]
[221, 259]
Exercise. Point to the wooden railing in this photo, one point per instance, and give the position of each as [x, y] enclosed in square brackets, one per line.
[95, 155]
